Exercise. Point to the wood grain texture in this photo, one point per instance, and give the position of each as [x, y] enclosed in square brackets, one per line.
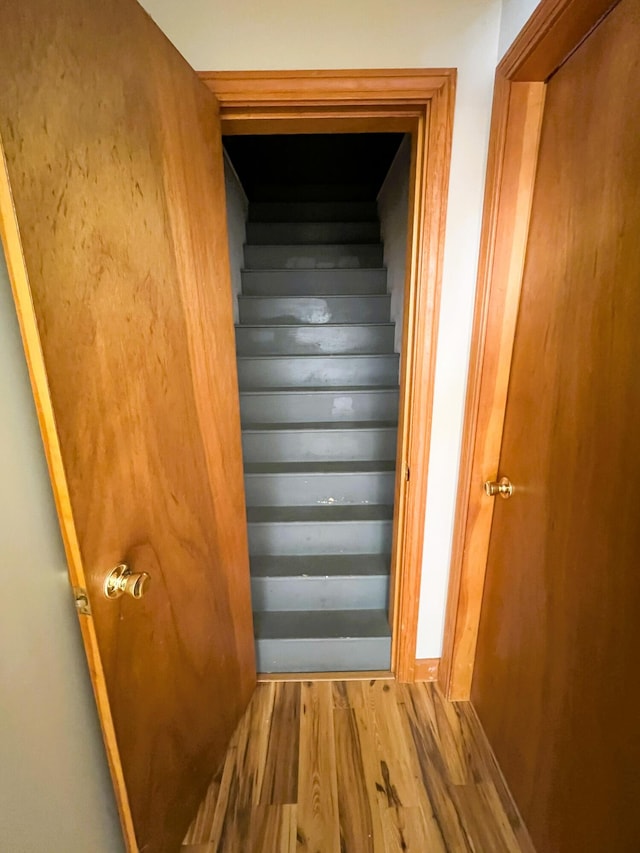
[358, 87]
[486, 769]
[550, 36]
[554, 30]
[299, 101]
[431, 156]
[113, 158]
[560, 627]
[280, 784]
[360, 826]
[513, 154]
[359, 675]
[426, 669]
[381, 767]
[317, 816]
[19, 278]
[321, 120]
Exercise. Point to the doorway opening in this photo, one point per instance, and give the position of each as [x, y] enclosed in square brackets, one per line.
[420, 103]
[318, 239]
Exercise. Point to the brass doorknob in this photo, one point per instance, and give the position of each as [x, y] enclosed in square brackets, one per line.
[122, 580]
[503, 487]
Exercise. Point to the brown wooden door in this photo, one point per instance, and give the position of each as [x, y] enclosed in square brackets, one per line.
[118, 258]
[555, 681]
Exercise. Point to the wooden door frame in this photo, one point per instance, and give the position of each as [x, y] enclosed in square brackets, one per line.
[552, 34]
[419, 102]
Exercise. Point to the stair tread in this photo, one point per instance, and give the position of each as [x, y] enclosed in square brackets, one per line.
[324, 296]
[321, 389]
[357, 638]
[308, 210]
[322, 271]
[320, 624]
[338, 231]
[307, 356]
[312, 246]
[356, 467]
[320, 514]
[289, 326]
[320, 222]
[320, 565]
[314, 426]
[346, 255]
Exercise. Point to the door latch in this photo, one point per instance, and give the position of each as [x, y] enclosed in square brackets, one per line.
[81, 600]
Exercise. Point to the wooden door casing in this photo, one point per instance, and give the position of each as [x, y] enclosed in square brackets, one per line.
[114, 168]
[420, 102]
[553, 683]
[554, 31]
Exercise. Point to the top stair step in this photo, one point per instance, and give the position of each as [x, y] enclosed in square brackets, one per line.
[313, 211]
[314, 256]
[265, 233]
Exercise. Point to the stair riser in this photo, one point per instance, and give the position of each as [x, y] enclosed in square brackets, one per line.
[314, 310]
[328, 537]
[325, 256]
[313, 340]
[274, 233]
[314, 211]
[313, 282]
[319, 446]
[319, 489]
[304, 593]
[318, 406]
[324, 655]
[297, 372]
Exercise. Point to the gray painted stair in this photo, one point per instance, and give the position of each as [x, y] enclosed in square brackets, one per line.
[266, 233]
[318, 383]
[347, 529]
[319, 483]
[319, 442]
[301, 339]
[285, 310]
[313, 211]
[313, 256]
[318, 405]
[320, 582]
[313, 282]
[313, 641]
[282, 371]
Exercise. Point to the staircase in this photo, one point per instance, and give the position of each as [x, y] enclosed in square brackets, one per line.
[319, 400]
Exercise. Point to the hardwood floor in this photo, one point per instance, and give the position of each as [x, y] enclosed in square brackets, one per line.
[356, 767]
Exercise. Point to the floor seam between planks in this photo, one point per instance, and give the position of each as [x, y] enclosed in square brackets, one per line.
[366, 766]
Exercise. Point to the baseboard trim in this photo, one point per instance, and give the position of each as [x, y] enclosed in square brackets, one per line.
[504, 794]
[378, 675]
[426, 669]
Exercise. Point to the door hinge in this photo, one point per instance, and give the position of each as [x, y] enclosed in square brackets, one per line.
[81, 600]
[407, 473]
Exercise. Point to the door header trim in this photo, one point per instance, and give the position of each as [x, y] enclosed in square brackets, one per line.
[420, 102]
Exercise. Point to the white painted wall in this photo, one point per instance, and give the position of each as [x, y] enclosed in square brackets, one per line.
[515, 14]
[55, 791]
[237, 210]
[393, 210]
[289, 34]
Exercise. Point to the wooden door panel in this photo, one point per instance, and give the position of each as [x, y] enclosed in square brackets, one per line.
[113, 154]
[554, 681]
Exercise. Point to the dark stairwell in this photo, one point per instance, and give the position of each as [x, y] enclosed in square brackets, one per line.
[318, 379]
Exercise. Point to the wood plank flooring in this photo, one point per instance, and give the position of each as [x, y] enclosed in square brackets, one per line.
[357, 767]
